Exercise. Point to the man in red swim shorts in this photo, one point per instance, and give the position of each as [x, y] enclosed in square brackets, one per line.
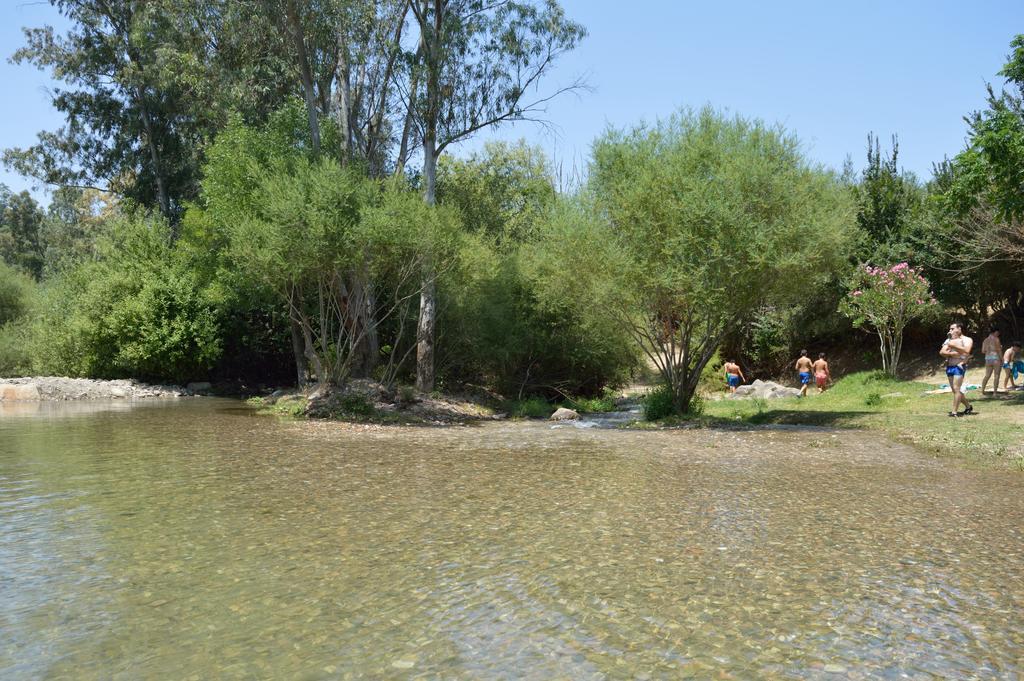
[822, 376]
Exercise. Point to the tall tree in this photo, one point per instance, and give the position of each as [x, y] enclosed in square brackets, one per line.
[124, 129]
[887, 202]
[20, 222]
[477, 64]
[76, 220]
[697, 223]
[985, 182]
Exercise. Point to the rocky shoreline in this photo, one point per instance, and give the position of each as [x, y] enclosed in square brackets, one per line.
[367, 401]
[60, 388]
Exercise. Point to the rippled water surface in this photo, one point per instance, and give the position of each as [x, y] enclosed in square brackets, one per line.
[199, 541]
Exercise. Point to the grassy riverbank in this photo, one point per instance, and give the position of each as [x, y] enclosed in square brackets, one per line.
[900, 409]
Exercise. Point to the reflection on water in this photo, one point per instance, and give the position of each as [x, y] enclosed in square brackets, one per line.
[194, 540]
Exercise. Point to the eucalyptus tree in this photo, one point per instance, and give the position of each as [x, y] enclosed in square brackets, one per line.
[125, 129]
[477, 63]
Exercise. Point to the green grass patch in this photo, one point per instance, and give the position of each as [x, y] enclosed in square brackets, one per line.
[593, 405]
[528, 408]
[901, 410]
[291, 405]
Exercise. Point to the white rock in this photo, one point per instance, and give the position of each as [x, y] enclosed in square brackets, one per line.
[563, 414]
[18, 393]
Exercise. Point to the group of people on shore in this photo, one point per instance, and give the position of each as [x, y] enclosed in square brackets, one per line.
[956, 350]
[806, 369]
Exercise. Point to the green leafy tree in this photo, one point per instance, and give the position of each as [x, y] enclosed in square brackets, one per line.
[974, 233]
[991, 169]
[697, 222]
[965, 269]
[20, 222]
[501, 192]
[886, 300]
[332, 246]
[125, 130]
[76, 222]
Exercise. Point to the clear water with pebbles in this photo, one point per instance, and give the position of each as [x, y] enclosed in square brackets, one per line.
[196, 540]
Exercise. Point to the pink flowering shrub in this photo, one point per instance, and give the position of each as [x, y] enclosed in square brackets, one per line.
[885, 300]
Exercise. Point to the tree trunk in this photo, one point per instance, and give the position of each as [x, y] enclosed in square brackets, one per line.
[430, 37]
[403, 149]
[428, 292]
[363, 327]
[163, 198]
[298, 346]
[306, 75]
[425, 334]
[343, 98]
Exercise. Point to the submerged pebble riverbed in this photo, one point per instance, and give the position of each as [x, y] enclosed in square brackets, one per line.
[195, 540]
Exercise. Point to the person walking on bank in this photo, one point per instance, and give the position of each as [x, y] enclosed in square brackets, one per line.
[734, 376]
[956, 351]
[803, 368]
[822, 376]
[992, 348]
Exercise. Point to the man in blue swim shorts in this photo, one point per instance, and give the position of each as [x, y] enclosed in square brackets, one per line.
[803, 368]
[957, 351]
[733, 375]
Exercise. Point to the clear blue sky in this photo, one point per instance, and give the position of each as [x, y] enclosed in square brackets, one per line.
[829, 71]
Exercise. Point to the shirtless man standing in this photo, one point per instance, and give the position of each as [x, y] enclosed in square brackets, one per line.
[992, 348]
[803, 367]
[734, 375]
[956, 351]
[822, 376]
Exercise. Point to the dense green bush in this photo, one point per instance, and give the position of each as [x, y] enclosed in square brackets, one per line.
[16, 292]
[504, 327]
[15, 355]
[137, 312]
[531, 408]
[604, 402]
[659, 403]
[502, 321]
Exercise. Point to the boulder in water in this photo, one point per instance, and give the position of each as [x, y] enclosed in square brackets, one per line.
[199, 387]
[563, 414]
[26, 392]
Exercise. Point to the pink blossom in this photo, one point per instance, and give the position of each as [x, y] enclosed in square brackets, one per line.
[856, 293]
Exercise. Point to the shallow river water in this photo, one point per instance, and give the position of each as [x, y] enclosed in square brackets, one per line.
[196, 540]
